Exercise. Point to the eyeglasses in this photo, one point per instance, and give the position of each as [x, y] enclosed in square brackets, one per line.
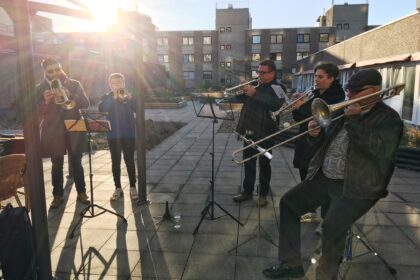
[56, 70]
[263, 72]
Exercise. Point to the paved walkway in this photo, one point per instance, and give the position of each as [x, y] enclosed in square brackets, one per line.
[178, 171]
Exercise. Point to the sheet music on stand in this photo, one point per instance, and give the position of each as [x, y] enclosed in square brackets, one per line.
[96, 122]
[213, 108]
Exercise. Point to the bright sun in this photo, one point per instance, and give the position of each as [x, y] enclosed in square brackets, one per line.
[104, 12]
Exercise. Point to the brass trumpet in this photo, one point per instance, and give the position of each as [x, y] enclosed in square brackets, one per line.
[122, 94]
[60, 95]
[288, 107]
[322, 113]
[236, 90]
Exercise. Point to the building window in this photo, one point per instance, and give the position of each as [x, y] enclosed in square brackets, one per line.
[256, 39]
[276, 39]
[302, 38]
[222, 29]
[346, 26]
[228, 47]
[228, 64]
[339, 26]
[188, 58]
[189, 75]
[163, 58]
[228, 29]
[207, 75]
[207, 57]
[222, 64]
[300, 55]
[222, 80]
[276, 56]
[228, 81]
[256, 57]
[323, 37]
[222, 47]
[188, 40]
[254, 74]
[162, 41]
[206, 40]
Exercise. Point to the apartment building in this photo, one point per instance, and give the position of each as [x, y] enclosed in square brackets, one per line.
[232, 52]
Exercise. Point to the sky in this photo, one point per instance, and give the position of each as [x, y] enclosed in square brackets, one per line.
[170, 15]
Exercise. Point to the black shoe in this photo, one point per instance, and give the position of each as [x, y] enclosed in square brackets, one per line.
[283, 271]
[242, 197]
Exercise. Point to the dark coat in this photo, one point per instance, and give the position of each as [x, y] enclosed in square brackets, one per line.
[303, 151]
[255, 113]
[54, 137]
[121, 116]
[373, 140]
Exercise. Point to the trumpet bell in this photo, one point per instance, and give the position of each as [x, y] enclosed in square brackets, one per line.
[69, 104]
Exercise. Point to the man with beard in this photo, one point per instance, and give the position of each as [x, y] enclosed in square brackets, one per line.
[56, 141]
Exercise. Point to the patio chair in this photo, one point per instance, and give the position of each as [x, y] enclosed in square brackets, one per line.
[13, 178]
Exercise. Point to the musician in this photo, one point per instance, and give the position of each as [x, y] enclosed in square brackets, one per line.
[255, 123]
[120, 106]
[328, 88]
[352, 169]
[56, 141]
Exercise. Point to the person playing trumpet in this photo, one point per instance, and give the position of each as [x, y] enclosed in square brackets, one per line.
[328, 88]
[56, 141]
[255, 123]
[120, 106]
[351, 169]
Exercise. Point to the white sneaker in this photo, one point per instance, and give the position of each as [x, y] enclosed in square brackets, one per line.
[118, 193]
[309, 218]
[133, 194]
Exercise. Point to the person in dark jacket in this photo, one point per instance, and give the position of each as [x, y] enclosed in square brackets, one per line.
[255, 123]
[121, 107]
[56, 141]
[328, 88]
[352, 168]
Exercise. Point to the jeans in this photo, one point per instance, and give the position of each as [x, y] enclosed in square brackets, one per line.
[57, 173]
[126, 146]
[342, 213]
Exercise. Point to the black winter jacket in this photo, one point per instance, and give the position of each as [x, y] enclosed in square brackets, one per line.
[373, 140]
[255, 114]
[303, 150]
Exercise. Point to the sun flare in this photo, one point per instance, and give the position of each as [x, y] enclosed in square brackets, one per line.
[104, 12]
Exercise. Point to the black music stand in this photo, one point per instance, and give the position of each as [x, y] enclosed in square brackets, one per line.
[90, 122]
[212, 108]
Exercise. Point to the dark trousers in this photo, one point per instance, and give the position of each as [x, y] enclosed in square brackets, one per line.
[251, 171]
[57, 173]
[342, 213]
[126, 146]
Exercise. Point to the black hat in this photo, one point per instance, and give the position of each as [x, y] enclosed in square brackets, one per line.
[363, 78]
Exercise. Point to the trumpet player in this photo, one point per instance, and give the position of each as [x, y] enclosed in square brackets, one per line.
[328, 88]
[120, 106]
[351, 169]
[56, 141]
[255, 123]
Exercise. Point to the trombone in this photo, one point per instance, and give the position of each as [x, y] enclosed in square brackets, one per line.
[236, 90]
[322, 113]
[288, 107]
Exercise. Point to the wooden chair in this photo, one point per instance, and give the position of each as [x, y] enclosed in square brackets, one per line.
[12, 178]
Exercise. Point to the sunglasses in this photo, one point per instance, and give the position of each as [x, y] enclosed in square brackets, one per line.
[56, 70]
[263, 72]
[357, 90]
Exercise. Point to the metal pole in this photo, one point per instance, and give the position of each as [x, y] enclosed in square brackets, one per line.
[139, 84]
[28, 109]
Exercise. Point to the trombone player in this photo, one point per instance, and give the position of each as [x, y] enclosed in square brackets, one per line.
[351, 169]
[328, 88]
[56, 141]
[255, 123]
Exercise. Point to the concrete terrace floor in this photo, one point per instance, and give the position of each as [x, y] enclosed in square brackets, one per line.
[178, 171]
